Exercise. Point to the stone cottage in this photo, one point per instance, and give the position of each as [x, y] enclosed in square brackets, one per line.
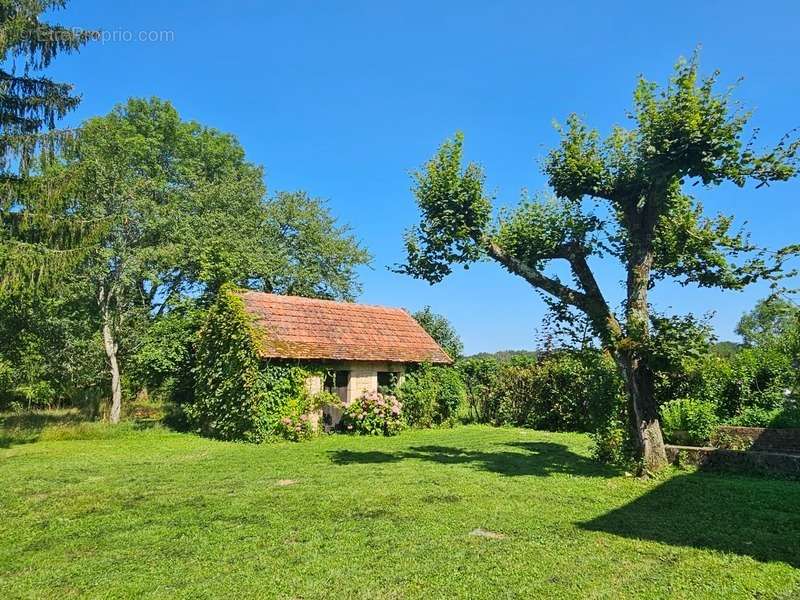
[360, 347]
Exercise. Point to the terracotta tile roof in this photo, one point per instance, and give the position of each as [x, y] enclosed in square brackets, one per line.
[307, 328]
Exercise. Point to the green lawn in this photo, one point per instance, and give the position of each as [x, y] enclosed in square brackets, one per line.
[150, 513]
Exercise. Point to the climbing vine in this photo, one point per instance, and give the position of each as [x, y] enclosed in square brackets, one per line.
[238, 395]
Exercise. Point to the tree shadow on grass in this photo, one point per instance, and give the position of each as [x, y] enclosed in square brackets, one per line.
[523, 458]
[749, 516]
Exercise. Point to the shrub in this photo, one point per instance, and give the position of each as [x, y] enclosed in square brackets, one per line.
[759, 377]
[164, 356]
[565, 391]
[479, 377]
[695, 417]
[677, 348]
[296, 428]
[755, 416]
[610, 442]
[431, 395]
[788, 416]
[685, 366]
[373, 414]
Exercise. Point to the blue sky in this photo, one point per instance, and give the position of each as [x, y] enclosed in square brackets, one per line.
[343, 99]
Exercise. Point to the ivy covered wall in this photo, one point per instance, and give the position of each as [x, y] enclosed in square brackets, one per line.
[238, 395]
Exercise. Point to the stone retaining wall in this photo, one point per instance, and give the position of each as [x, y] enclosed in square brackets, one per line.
[766, 439]
[736, 460]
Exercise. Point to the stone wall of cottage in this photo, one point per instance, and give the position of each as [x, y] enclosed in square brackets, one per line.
[363, 379]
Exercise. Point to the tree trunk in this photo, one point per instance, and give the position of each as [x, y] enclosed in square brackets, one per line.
[642, 408]
[111, 347]
[643, 424]
[116, 386]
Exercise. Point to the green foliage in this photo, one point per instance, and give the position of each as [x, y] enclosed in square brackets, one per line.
[771, 319]
[479, 375]
[316, 256]
[677, 346]
[757, 416]
[536, 231]
[164, 352]
[49, 352]
[625, 196]
[760, 376]
[752, 380]
[505, 355]
[183, 212]
[32, 103]
[563, 391]
[40, 239]
[431, 395]
[725, 349]
[566, 391]
[373, 413]
[454, 215]
[684, 131]
[611, 444]
[696, 418]
[237, 394]
[441, 330]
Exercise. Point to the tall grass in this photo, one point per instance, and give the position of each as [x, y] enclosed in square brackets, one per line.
[59, 425]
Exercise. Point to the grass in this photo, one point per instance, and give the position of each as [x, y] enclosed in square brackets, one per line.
[92, 510]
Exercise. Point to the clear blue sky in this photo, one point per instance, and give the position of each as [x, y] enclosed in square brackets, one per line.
[342, 99]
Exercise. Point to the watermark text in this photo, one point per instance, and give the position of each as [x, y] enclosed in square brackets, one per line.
[109, 36]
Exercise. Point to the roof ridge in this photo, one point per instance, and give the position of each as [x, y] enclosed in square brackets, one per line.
[319, 300]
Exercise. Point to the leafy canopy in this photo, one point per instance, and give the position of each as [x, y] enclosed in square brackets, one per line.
[624, 195]
[772, 318]
[441, 330]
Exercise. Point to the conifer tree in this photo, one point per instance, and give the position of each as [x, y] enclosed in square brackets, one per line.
[38, 237]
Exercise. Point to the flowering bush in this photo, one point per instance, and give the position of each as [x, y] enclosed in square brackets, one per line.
[372, 414]
[296, 428]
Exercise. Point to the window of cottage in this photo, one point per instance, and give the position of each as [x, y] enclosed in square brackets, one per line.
[387, 380]
[336, 380]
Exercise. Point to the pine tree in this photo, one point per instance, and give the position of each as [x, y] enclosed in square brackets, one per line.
[38, 238]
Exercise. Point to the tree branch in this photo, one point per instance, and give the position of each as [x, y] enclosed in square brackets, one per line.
[590, 301]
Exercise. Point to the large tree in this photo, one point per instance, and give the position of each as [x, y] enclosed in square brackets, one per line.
[38, 236]
[625, 196]
[441, 330]
[185, 213]
[772, 318]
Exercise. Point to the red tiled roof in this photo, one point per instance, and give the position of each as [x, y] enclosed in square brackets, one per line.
[307, 328]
